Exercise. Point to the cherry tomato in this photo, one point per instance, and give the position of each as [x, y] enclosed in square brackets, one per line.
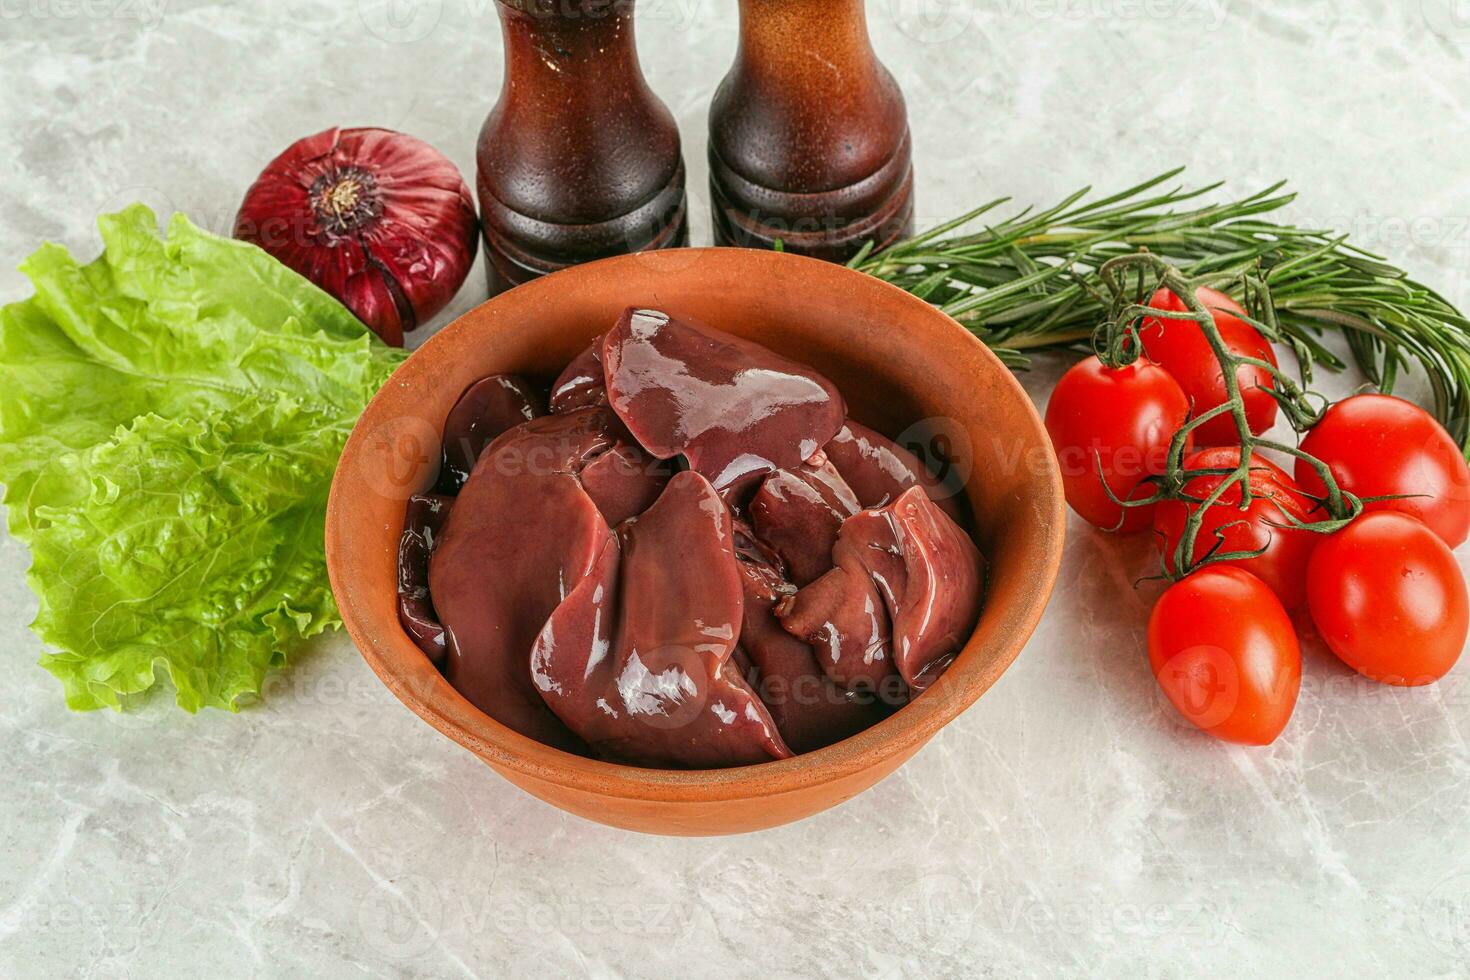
[1180, 347]
[1389, 599]
[1122, 418]
[1262, 524]
[1224, 652]
[1378, 445]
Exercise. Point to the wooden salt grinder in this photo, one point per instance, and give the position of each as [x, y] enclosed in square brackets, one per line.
[809, 138]
[579, 159]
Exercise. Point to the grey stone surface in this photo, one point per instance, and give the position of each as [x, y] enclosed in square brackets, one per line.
[1067, 825]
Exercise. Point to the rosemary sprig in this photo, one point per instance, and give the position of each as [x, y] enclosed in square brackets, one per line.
[1031, 281]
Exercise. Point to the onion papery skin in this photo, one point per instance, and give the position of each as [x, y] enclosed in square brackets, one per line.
[382, 221]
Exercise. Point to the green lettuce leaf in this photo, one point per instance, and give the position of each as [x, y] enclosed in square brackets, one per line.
[170, 419]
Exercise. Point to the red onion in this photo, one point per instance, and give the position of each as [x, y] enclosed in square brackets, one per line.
[382, 221]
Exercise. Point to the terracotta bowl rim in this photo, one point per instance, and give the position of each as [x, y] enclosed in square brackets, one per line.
[898, 735]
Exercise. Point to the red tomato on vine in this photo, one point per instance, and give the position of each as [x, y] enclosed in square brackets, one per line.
[1378, 445]
[1225, 654]
[1180, 347]
[1389, 599]
[1262, 524]
[1121, 419]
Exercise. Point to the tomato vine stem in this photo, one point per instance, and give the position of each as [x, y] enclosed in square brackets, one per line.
[1131, 280]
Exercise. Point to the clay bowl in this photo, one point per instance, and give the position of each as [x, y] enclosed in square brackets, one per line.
[897, 360]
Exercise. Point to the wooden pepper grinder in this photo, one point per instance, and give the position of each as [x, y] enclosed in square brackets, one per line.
[809, 138]
[579, 159]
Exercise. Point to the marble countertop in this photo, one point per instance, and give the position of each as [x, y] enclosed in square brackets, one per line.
[1066, 825]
